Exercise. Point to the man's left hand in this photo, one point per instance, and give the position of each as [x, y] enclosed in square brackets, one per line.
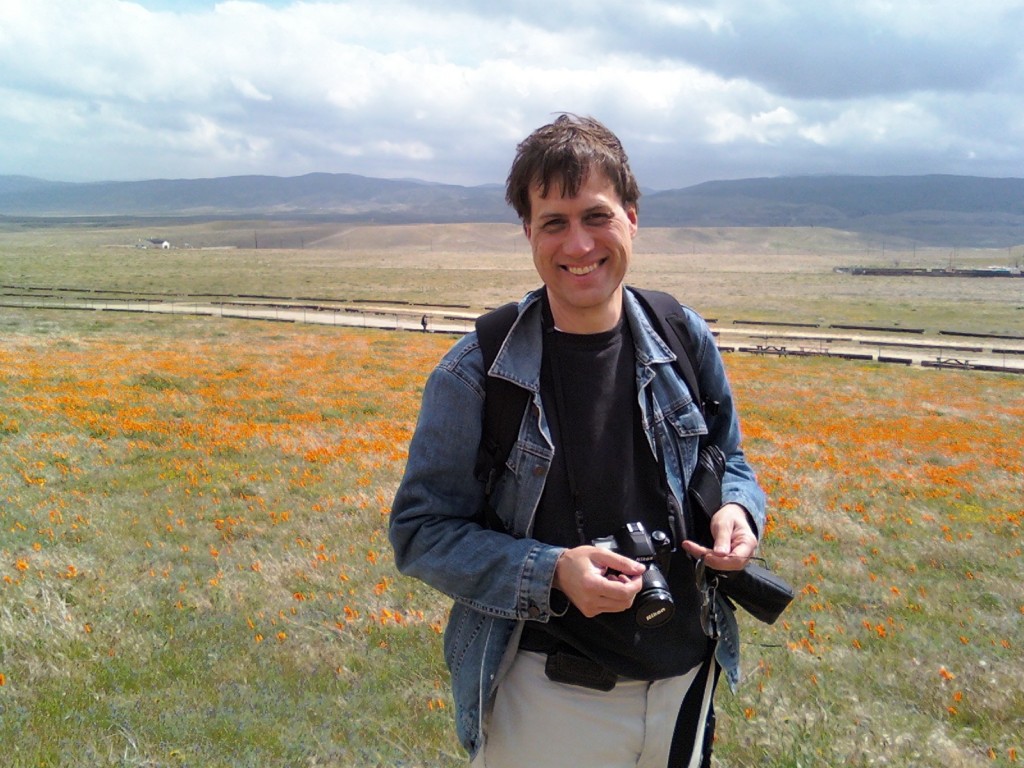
[735, 542]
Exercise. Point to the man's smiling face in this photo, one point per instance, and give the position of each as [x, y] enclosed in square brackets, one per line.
[582, 247]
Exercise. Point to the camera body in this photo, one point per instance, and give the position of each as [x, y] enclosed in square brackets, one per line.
[654, 604]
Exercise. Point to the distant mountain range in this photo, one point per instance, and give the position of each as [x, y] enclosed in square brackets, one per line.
[933, 210]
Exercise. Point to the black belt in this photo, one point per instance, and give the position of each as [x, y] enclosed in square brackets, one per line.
[540, 641]
[565, 664]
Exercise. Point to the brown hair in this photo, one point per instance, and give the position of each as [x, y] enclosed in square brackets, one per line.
[565, 152]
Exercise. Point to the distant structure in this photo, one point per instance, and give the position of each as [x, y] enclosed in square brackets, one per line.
[154, 242]
[993, 271]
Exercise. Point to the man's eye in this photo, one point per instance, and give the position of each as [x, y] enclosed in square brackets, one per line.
[554, 225]
[598, 219]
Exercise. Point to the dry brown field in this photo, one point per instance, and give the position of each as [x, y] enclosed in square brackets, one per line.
[779, 275]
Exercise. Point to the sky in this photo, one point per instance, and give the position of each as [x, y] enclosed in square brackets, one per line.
[443, 90]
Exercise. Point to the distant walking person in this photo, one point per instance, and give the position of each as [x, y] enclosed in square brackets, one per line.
[423, 322]
[564, 649]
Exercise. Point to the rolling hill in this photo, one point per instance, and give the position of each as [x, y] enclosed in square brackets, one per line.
[933, 209]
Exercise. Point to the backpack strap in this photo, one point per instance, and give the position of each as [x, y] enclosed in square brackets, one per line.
[704, 493]
[504, 402]
[666, 316]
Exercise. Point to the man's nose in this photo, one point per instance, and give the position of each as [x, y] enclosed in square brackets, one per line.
[577, 240]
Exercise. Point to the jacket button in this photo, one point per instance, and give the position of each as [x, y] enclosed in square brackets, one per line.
[533, 611]
[538, 471]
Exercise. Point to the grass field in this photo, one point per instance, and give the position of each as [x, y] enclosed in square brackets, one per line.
[194, 569]
[728, 274]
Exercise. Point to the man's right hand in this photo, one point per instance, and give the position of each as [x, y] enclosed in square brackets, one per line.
[583, 575]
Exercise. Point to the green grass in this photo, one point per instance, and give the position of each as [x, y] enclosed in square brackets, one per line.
[194, 569]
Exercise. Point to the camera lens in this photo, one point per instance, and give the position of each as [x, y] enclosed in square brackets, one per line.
[654, 605]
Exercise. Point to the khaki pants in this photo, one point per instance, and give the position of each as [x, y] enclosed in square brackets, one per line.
[538, 723]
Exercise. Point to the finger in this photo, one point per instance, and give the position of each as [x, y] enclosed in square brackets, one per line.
[604, 558]
[619, 587]
[607, 602]
[733, 561]
[619, 578]
[723, 540]
[695, 550]
[698, 551]
[730, 562]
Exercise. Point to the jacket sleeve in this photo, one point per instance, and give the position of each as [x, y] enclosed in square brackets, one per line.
[435, 525]
[740, 484]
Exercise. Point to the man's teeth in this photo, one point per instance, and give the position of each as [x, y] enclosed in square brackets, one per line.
[582, 270]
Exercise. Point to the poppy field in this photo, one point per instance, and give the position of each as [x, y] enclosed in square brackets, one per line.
[194, 568]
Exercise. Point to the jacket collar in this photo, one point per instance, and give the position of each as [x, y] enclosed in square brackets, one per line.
[519, 358]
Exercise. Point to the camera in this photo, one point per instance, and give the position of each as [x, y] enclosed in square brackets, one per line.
[654, 605]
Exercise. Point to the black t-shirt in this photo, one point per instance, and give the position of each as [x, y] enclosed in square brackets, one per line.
[588, 386]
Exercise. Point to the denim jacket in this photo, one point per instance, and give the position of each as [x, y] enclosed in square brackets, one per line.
[499, 581]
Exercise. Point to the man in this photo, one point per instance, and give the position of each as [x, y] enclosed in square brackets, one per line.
[549, 664]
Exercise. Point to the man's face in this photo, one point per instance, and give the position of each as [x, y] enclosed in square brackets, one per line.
[582, 246]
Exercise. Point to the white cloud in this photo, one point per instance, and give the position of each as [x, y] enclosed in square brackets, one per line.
[444, 90]
[875, 123]
[250, 91]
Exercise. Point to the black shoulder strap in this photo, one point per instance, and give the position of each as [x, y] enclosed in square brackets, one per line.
[666, 316]
[504, 402]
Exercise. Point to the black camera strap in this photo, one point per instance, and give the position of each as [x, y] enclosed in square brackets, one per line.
[551, 355]
[641, 478]
[505, 401]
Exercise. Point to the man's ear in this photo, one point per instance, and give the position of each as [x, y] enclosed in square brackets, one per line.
[526, 230]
